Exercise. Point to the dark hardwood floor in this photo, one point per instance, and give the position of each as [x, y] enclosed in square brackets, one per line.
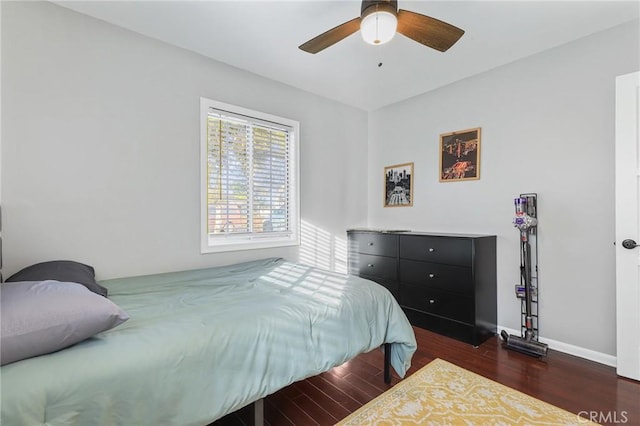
[568, 382]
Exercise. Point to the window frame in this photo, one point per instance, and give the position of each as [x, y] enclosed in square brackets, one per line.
[231, 242]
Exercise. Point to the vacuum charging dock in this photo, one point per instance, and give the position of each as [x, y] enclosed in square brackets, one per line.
[526, 220]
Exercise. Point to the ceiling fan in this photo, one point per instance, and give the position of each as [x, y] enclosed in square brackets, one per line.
[378, 22]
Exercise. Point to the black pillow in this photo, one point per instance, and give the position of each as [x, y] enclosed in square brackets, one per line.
[61, 270]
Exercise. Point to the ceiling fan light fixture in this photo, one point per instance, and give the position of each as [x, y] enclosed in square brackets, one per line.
[378, 22]
[378, 27]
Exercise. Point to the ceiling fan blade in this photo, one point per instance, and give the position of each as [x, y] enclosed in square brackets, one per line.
[428, 31]
[331, 37]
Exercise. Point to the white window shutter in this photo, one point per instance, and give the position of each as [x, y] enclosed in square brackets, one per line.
[248, 179]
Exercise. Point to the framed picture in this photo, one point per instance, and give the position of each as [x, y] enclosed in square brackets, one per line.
[460, 155]
[398, 185]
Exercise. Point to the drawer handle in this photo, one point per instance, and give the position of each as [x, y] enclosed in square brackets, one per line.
[432, 301]
[431, 249]
[370, 265]
[432, 275]
[370, 244]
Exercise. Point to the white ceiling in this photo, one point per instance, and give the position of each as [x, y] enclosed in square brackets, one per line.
[263, 37]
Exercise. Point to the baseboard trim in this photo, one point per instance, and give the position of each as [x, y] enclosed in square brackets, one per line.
[578, 351]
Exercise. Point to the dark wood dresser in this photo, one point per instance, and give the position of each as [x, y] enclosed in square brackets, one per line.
[444, 282]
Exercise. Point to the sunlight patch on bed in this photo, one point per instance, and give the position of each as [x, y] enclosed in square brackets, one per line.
[325, 286]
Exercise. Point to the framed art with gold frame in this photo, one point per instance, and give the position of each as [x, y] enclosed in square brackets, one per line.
[398, 185]
[460, 155]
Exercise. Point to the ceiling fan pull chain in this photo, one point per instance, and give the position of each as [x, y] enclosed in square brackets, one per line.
[377, 40]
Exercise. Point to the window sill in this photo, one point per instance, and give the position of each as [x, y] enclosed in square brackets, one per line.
[236, 244]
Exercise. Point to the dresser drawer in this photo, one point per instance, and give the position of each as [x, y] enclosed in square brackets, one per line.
[438, 302]
[451, 251]
[373, 243]
[373, 266]
[434, 275]
[391, 285]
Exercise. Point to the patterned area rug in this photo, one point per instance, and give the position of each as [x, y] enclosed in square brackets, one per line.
[441, 393]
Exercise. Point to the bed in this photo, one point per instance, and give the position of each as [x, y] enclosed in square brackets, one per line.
[201, 344]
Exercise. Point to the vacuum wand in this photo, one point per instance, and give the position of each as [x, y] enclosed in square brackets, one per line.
[528, 343]
[525, 270]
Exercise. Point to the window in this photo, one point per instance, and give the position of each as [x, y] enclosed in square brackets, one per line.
[249, 179]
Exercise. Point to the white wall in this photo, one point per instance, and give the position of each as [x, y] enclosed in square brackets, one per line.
[547, 127]
[100, 148]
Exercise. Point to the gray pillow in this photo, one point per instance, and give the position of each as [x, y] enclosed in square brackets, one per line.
[39, 317]
[61, 270]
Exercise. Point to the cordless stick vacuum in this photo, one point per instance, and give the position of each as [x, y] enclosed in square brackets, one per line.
[528, 343]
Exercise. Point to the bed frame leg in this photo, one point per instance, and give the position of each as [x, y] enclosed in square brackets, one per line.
[258, 412]
[387, 363]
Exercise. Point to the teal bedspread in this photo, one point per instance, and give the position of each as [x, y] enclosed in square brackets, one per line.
[201, 344]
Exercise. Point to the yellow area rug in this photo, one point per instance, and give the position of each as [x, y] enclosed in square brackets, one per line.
[441, 393]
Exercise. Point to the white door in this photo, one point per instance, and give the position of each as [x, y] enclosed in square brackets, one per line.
[628, 225]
